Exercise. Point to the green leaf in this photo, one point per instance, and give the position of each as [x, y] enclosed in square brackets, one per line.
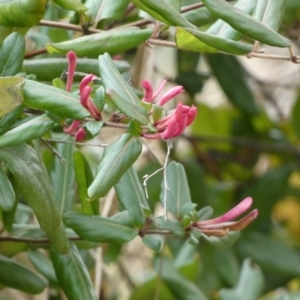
[130, 109]
[56, 66]
[62, 175]
[131, 194]
[179, 286]
[167, 12]
[152, 242]
[74, 5]
[249, 286]
[24, 162]
[102, 9]
[99, 229]
[43, 265]
[11, 93]
[81, 180]
[112, 79]
[45, 97]
[222, 29]
[271, 254]
[194, 40]
[7, 194]
[270, 12]
[19, 277]
[245, 23]
[94, 127]
[214, 243]
[72, 274]
[112, 41]
[178, 192]
[9, 119]
[234, 86]
[116, 160]
[173, 226]
[277, 178]
[11, 54]
[21, 13]
[30, 130]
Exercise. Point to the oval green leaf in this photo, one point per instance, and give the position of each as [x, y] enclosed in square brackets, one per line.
[99, 229]
[24, 162]
[56, 66]
[112, 41]
[131, 194]
[45, 97]
[30, 130]
[72, 274]
[245, 23]
[113, 80]
[131, 110]
[7, 194]
[19, 277]
[11, 54]
[178, 192]
[21, 13]
[116, 160]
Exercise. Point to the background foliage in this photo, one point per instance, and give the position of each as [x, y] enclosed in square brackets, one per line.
[243, 142]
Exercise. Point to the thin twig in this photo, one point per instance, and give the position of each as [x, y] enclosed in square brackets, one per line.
[54, 151]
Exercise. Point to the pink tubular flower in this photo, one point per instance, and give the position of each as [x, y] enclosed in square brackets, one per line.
[149, 96]
[85, 100]
[72, 128]
[222, 225]
[71, 69]
[174, 124]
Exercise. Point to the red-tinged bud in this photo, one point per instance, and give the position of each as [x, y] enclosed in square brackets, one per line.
[80, 135]
[71, 69]
[148, 91]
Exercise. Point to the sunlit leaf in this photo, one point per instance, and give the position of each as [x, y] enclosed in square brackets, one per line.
[11, 93]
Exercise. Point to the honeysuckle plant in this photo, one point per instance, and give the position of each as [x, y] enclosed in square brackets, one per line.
[174, 174]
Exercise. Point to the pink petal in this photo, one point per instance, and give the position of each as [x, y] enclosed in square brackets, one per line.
[170, 94]
[85, 95]
[85, 81]
[75, 124]
[159, 89]
[231, 214]
[192, 114]
[148, 91]
[71, 69]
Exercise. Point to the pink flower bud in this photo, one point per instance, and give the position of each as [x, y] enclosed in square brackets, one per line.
[71, 69]
[170, 94]
[80, 135]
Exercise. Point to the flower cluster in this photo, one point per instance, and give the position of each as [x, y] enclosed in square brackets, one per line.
[85, 91]
[177, 120]
[222, 225]
[167, 127]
